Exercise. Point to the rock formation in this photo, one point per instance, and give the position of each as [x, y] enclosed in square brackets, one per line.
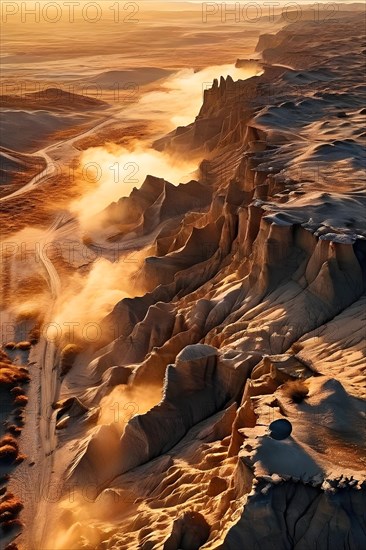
[255, 279]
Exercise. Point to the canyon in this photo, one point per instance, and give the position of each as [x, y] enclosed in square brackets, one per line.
[243, 304]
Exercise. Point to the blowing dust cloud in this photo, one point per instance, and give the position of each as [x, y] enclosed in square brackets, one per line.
[111, 172]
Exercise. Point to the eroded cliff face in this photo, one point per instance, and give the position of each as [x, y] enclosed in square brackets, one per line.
[254, 312]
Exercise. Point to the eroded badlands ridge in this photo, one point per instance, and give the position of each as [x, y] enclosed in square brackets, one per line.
[255, 311]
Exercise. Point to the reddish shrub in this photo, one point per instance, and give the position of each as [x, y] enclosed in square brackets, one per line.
[34, 336]
[20, 458]
[17, 390]
[25, 345]
[21, 400]
[10, 507]
[15, 430]
[24, 369]
[8, 440]
[11, 375]
[68, 356]
[19, 417]
[8, 449]
[7, 454]
[12, 524]
[10, 345]
[3, 357]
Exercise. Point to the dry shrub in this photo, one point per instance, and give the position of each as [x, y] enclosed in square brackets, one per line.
[11, 524]
[25, 345]
[10, 507]
[17, 390]
[10, 345]
[68, 356]
[14, 430]
[296, 390]
[4, 358]
[25, 370]
[9, 449]
[9, 440]
[34, 335]
[11, 375]
[7, 454]
[19, 416]
[21, 400]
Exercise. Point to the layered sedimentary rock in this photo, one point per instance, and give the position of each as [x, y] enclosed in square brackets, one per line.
[254, 312]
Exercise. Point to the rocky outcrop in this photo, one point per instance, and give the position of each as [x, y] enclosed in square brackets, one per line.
[155, 202]
[259, 285]
[295, 516]
[189, 532]
[195, 388]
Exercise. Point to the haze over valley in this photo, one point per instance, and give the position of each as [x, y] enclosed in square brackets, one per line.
[183, 270]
